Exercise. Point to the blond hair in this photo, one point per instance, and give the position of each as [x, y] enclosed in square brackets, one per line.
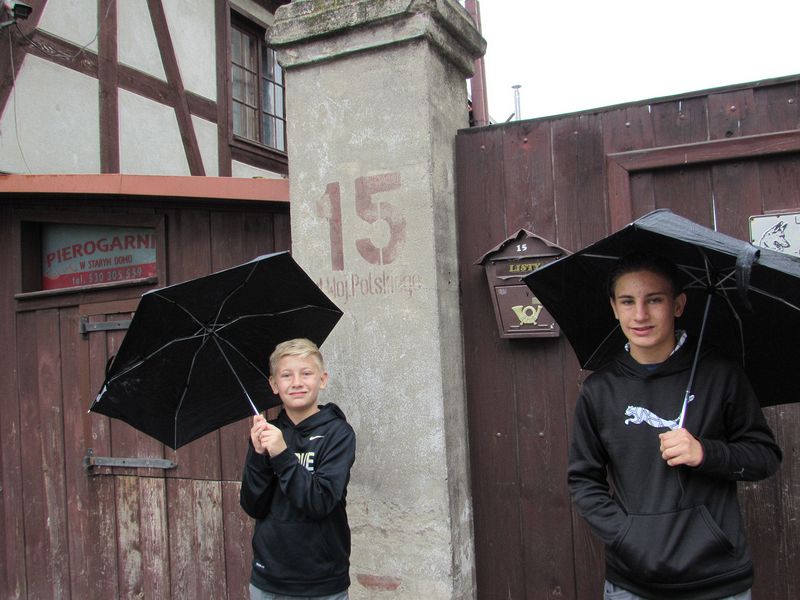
[301, 347]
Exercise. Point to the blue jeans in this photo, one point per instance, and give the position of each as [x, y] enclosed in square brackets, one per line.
[257, 594]
[614, 592]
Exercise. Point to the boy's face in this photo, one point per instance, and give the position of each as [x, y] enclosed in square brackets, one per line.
[646, 309]
[298, 380]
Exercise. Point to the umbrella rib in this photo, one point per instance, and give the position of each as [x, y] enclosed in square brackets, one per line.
[154, 352]
[773, 297]
[215, 324]
[233, 347]
[182, 307]
[186, 388]
[601, 344]
[235, 374]
[272, 314]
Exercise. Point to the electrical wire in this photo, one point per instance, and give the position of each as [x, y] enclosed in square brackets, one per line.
[14, 98]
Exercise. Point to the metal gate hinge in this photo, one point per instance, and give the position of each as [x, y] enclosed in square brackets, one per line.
[90, 460]
[86, 327]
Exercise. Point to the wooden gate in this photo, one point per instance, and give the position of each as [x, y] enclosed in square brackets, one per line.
[71, 527]
[716, 157]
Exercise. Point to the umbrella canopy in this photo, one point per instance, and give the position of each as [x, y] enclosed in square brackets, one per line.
[196, 354]
[743, 300]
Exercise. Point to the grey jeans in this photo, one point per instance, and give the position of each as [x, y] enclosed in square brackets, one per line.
[614, 592]
[257, 594]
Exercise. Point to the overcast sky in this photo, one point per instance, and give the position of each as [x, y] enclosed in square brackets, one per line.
[571, 55]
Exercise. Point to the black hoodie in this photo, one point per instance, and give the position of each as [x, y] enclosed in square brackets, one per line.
[669, 532]
[301, 542]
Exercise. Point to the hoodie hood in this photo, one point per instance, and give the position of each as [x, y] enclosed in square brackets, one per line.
[327, 413]
[681, 360]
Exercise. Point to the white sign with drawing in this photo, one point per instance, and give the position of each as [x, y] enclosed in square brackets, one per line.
[776, 232]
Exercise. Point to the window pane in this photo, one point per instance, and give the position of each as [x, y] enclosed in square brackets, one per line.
[238, 119]
[250, 89]
[250, 123]
[236, 46]
[249, 54]
[269, 129]
[280, 136]
[237, 76]
[267, 98]
[268, 60]
[279, 112]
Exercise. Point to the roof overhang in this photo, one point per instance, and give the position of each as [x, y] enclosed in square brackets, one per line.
[150, 186]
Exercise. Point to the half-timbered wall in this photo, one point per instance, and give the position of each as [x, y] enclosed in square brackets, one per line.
[100, 86]
[716, 157]
[67, 531]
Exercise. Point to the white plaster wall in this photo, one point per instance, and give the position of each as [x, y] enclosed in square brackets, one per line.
[206, 134]
[239, 169]
[191, 26]
[136, 39]
[54, 127]
[149, 139]
[74, 21]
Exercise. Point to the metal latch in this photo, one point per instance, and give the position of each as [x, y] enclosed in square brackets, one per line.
[90, 460]
[86, 327]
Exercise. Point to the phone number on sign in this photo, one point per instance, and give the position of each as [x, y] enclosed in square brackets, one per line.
[111, 275]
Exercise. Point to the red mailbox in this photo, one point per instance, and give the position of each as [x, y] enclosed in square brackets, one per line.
[518, 312]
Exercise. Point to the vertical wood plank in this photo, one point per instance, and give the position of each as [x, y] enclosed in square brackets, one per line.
[732, 114]
[778, 106]
[686, 191]
[154, 532]
[760, 503]
[490, 394]
[129, 550]
[785, 420]
[542, 454]
[12, 540]
[182, 555]
[579, 182]
[780, 183]
[528, 172]
[42, 458]
[196, 539]
[90, 507]
[680, 121]
[209, 540]
[238, 533]
[737, 195]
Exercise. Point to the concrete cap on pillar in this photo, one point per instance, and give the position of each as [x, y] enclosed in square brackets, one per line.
[312, 31]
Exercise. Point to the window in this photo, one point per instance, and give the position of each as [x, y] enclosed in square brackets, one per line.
[258, 88]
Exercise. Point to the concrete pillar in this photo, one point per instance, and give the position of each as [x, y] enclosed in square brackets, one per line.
[375, 93]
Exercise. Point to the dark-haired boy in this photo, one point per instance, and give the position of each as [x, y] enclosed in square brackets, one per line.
[671, 526]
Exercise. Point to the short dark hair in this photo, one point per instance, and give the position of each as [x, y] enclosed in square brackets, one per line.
[644, 261]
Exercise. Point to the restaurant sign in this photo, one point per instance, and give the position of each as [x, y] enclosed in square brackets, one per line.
[76, 255]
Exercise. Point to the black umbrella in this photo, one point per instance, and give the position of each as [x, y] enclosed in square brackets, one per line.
[741, 299]
[196, 354]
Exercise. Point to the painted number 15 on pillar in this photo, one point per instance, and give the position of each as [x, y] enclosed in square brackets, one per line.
[329, 207]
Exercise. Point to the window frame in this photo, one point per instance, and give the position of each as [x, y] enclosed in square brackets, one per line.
[251, 151]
